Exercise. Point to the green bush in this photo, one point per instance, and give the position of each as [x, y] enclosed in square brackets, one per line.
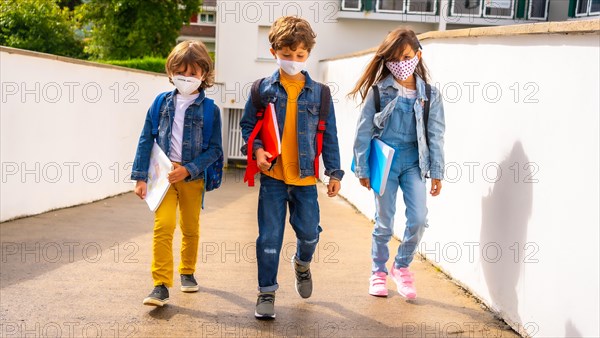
[151, 64]
[130, 29]
[39, 25]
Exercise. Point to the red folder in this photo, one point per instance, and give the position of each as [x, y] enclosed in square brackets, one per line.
[269, 133]
[267, 130]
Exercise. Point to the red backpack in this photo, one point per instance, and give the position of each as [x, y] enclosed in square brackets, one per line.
[252, 166]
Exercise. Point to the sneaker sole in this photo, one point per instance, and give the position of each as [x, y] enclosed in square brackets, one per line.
[407, 297]
[399, 286]
[190, 288]
[296, 281]
[378, 295]
[259, 316]
[155, 302]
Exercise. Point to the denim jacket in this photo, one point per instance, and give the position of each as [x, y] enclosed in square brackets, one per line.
[193, 158]
[309, 104]
[371, 124]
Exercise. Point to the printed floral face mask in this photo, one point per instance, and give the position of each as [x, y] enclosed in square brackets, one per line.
[403, 69]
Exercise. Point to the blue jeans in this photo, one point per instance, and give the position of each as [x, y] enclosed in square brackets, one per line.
[273, 198]
[405, 173]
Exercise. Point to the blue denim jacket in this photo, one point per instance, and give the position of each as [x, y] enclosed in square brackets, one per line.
[309, 104]
[371, 124]
[192, 156]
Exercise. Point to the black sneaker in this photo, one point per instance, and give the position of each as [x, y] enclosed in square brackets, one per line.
[188, 283]
[158, 297]
[304, 285]
[265, 305]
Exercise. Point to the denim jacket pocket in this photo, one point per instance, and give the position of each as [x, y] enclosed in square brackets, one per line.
[312, 116]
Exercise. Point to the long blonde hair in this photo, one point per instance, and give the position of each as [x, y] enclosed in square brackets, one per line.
[393, 44]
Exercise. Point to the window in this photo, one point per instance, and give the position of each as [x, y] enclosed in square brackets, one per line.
[498, 8]
[538, 9]
[466, 8]
[587, 7]
[390, 6]
[207, 18]
[351, 5]
[263, 44]
[422, 6]
[595, 7]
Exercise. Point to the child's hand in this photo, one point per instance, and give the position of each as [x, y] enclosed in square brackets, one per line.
[333, 187]
[178, 174]
[365, 182]
[436, 187]
[140, 189]
[261, 159]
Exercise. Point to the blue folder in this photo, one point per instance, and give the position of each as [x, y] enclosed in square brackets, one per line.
[380, 161]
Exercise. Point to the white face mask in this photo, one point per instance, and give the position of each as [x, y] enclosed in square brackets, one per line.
[186, 85]
[403, 69]
[291, 67]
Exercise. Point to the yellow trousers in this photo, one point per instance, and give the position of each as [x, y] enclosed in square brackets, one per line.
[188, 195]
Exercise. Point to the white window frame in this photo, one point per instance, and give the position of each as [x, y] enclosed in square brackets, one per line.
[435, 2]
[214, 20]
[344, 8]
[512, 11]
[587, 10]
[530, 5]
[466, 15]
[590, 9]
[390, 10]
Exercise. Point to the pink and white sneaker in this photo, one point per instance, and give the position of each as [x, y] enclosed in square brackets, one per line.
[405, 281]
[378, 284]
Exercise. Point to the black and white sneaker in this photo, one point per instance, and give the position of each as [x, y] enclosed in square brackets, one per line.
[188, 283]
[304, 284]
[158, 297]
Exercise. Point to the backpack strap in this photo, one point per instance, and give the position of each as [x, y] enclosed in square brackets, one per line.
[155, 110]
[252, 166]
[322, 126]
[255, 97]
[208, 114]
[426, 110]
[376, 98]
[208, 108]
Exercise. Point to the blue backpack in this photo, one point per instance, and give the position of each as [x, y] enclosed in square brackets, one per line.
[213, 174]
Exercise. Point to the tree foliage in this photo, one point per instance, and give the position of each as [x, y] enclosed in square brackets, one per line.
[39, 25]
[124, 29]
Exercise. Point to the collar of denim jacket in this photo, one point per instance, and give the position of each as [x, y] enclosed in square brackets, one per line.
[308, 82]
[196, 102]
[389, 80]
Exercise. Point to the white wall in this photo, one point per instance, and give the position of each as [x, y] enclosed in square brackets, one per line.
[69, 130]
[542, 133]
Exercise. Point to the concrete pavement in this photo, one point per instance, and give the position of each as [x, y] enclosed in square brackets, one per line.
[84, 271]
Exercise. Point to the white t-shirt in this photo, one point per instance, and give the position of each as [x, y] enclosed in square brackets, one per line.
[182, 102]
[405, 92]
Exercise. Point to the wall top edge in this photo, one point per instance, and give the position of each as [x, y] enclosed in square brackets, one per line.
[11, 50]
[558, 27]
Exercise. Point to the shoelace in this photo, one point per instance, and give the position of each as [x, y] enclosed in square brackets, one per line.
[266, 298]
[189, 278]
[302, 276]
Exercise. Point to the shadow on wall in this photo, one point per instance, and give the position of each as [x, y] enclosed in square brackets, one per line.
[571, 330]
[506, 211]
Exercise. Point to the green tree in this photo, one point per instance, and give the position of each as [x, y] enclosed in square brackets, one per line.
[124, 29]
[39, 25]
